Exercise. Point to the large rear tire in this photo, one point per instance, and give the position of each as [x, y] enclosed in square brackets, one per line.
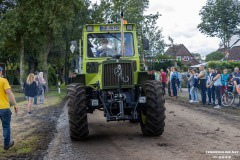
[77, 112]
[152, 116]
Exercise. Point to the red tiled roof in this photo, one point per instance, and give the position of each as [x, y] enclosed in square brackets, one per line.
[234, 53]
[181, 50]
[171, 51]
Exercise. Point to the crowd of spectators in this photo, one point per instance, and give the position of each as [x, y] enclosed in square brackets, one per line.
[210, 84]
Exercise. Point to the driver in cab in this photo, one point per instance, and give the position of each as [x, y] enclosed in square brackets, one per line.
[104, 51]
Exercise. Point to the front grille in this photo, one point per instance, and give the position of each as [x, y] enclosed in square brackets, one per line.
[110, 79]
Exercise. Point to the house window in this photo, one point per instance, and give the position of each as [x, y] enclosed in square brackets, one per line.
[186, 58]
[178, 58]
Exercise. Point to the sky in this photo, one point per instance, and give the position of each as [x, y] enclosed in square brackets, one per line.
[179, 20]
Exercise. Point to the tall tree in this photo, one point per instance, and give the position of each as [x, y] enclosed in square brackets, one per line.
[134, 13]
[153, 33]
[197, 56]
[214, 56]
[49, 20]
[220, 18]
[13, 28]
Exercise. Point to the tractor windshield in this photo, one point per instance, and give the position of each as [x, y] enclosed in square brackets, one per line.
[109, 44]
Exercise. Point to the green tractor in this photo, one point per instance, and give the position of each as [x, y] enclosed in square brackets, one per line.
[110, 80]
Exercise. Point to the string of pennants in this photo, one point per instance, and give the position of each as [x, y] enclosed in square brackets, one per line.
[166, 60]
[161, 60]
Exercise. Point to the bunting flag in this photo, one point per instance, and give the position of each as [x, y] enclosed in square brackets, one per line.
[161, 60]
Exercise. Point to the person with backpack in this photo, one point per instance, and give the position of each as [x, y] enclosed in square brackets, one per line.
[174, 81]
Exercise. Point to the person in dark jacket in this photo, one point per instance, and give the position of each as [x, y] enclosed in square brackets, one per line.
[211, 89]
[174, 82]
[30, 91]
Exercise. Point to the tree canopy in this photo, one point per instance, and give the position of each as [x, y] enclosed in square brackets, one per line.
[34, 33]
[197, 56]
[214, 56]
[220, 18]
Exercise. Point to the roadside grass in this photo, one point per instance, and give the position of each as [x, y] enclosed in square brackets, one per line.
[22, 147]
[31, 131]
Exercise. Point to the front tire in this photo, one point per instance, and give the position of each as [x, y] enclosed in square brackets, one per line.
[77, 111]
[227, 99]
[152, 116]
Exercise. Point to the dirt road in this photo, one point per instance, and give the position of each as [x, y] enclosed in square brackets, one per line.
[189, 134]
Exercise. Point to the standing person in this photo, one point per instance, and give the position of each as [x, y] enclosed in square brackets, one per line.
[202, 77]
[194, 87]
[210, 89]
[152, 75]
[36, 78]
[168, 81]
[236, 78]
[174, 82]
[224, 80]
[180, 81]
[156, 74]
[5, 112]
[188, 84]
[171, 87]
[42, 82]
[30, 91]
[238, 90]
[163, 80]
[217, 83]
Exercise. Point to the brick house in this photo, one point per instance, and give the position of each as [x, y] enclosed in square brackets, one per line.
[234, 53]
[181, 53]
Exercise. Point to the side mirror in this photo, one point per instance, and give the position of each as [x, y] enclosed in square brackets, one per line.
[145, 43]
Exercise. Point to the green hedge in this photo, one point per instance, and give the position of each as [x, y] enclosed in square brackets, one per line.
[223, 65]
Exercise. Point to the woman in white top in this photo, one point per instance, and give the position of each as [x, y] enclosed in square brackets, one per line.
[43, 82]
[218, 84]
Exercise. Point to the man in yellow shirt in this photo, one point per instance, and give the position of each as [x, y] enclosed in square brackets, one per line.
[5, 112]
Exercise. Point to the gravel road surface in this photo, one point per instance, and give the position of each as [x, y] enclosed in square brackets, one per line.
[189, 134]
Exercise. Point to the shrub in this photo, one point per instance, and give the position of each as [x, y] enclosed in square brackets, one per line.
[223, 65]
[52, 77]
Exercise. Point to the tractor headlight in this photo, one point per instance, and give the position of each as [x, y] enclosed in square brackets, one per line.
[94, 102]
[142, 99]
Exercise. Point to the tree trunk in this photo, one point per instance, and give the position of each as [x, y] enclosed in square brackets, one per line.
[45, 63]
[66, 62]
[21, 62]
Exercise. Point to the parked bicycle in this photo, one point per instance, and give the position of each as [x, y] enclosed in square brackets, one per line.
[229, 98]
